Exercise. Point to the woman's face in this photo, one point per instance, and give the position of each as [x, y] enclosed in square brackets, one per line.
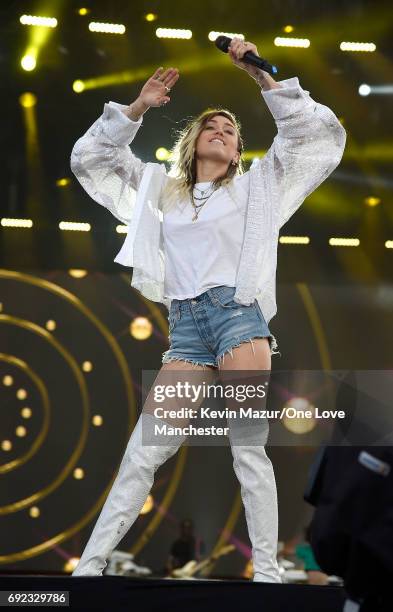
[218, 140]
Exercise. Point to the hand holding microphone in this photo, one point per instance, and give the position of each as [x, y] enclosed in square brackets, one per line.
[245, 56]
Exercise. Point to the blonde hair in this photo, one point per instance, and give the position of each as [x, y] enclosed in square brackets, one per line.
[182, 173]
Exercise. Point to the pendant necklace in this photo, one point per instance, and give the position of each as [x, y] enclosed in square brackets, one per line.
[198, 207]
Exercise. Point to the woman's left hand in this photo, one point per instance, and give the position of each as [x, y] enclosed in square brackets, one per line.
[237, 49]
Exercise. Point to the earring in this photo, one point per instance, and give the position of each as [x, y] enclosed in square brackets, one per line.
[234, 163]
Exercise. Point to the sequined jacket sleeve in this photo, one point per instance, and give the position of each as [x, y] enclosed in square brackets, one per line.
[308, 146]
[104, 164]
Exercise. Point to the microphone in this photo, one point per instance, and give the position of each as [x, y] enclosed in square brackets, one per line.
[223, 42]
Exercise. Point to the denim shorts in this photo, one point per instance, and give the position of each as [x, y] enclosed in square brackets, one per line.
[202, 329]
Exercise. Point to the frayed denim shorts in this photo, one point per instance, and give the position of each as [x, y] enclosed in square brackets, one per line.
[204, 328]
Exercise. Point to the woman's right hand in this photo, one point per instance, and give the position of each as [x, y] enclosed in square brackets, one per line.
[153, 93]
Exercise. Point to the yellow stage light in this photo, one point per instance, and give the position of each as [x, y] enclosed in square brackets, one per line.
[16, 222]
[151, 17]
[173, 33]
[107, 28]
[372, 201]
[294, 240]
[148, 505]
[50, 325]
[63, 182]
[357, 46]
[344, 241]
[83, 11]
[27, 100]
[6, 445]
[26, 412]
[296, 419]
[97, 420]
[288, 29]
[87, 366]
[141, 328]
[35, 20]
[21, 431]
[77, 273]
[79, 473]
[73, 226]
[21, 394]
[162, 153]
[280, 41]
[34, 512]
[78, 86]
[213, 35]
[28, 62]
[8, 380]
[71, 564]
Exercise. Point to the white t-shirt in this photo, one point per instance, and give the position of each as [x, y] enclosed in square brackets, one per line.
[205, 253]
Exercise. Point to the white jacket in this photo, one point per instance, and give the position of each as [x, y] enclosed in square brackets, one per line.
[308, 146]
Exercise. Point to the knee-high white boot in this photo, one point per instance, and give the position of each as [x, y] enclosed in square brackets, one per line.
[254, 471]
[128, 494]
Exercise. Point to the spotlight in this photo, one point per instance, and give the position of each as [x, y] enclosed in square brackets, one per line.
[28, 62]
[173, 33]
[151, 17]
[364, 90]
[107, 28]
[162, 154]
[27, 100]
[357, 46]
[78, 86]
[280, 41]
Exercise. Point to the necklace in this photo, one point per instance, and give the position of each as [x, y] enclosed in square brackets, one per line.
[198, 207]
[202, 192]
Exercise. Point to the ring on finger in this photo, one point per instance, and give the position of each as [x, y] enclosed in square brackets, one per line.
[167, 88]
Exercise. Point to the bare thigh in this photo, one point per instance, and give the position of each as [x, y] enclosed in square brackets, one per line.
[171, 374]
[245, 358]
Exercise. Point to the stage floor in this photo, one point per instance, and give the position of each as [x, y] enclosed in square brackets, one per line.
[148, 594]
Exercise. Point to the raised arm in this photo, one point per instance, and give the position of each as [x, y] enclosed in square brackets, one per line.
[309, 145]
[102, 159]
[310, 141]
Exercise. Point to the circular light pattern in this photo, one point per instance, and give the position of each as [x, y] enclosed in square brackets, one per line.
[6, 445]
[28, 62]
[26, 412]
[21, 431]
[63, 182]
[372, 201]
[151, 17]
[162, 153]
[8, 380]
[97, 420]
[87, 366]
[34, 511]
[79, 473]
[50, 325]
[78, 86]
[364, 90]
[141, 328]
[21, 394]
[27, 100]
[299, 425]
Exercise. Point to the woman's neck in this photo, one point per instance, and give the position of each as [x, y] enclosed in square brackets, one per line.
[208, 170]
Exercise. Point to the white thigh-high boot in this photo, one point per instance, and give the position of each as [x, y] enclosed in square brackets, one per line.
[128, 494]
[254, 471]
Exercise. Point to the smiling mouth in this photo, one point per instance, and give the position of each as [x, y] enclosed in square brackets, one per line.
[217, 140]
